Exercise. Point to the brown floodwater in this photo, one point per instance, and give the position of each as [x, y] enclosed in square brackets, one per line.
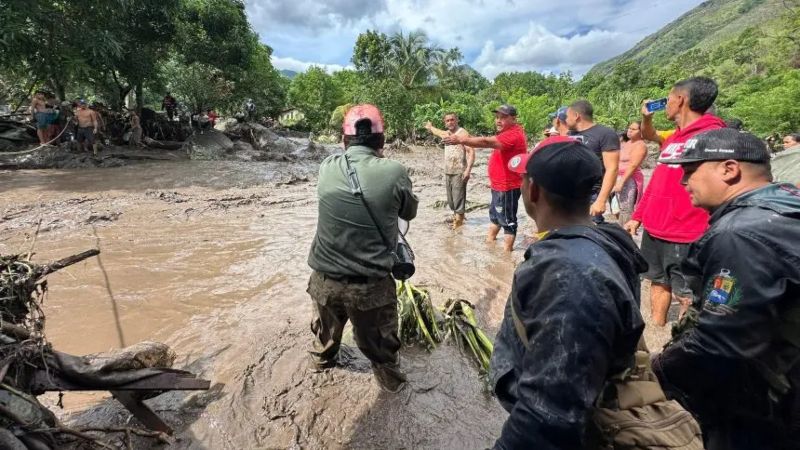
[210, 258]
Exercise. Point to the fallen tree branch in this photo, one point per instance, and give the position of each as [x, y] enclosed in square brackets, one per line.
[68, 261]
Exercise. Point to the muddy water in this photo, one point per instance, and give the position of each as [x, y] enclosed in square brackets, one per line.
[210, 258]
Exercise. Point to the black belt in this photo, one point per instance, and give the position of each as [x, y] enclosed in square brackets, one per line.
[354, 279]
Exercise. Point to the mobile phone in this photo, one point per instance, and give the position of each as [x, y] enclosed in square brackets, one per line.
[656, 105]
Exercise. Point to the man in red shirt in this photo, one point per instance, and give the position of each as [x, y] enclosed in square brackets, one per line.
[670, 221]
[509, 142]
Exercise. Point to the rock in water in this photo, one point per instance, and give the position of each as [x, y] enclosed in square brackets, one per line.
[276, 147]
[210, 145]
[138, 356]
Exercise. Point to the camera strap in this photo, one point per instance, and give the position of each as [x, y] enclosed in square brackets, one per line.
[355, 189]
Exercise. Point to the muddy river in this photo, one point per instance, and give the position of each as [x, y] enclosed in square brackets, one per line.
[210, 258]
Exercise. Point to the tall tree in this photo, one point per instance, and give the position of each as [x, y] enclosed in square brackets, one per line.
[314, 93]
[371, 54]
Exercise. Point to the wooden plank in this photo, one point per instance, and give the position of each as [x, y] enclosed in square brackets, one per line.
[167, 381]
[133, 402]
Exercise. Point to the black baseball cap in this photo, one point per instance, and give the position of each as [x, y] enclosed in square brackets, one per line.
[561, 165]
[721, 145]
[506, 109]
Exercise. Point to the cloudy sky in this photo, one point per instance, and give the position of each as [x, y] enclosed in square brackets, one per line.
[497, 36]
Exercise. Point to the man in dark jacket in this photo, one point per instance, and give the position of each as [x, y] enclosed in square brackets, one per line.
[733, 360]
[572, 318]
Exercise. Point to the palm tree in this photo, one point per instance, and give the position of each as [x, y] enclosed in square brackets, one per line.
[411, 58]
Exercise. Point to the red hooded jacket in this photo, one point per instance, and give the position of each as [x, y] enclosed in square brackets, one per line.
[666, 210]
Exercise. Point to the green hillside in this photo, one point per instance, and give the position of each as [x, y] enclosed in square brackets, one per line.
[704, 26]
[750, 47]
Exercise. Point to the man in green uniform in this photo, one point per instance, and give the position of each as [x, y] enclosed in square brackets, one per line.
[350, 256]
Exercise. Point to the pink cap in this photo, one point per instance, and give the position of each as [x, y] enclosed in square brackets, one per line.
[360, 112]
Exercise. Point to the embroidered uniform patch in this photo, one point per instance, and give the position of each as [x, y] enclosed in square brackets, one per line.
[721, 293]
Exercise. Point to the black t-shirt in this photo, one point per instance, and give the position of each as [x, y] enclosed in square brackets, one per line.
[599, 139]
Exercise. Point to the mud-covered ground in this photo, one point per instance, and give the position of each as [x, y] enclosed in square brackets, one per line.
[210, 258]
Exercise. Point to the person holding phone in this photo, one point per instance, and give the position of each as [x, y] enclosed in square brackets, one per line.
[670, 221]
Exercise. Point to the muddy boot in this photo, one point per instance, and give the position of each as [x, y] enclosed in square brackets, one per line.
[317, 365]
[458, 221]
[389, 377]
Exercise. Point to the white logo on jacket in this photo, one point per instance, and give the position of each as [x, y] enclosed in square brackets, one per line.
[672, 151]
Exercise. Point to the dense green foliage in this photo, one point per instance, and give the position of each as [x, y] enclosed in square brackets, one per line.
[102, 50]
[205, 52]
[751, 47]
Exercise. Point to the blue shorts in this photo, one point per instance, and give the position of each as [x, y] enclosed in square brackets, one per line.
[503, 210]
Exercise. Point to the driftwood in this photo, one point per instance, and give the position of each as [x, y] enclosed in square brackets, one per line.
[68, 261]
[30, 366]
[164, 145]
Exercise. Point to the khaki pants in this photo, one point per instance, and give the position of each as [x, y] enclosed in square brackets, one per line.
[370, 306]
[136, 137]
[456, 192]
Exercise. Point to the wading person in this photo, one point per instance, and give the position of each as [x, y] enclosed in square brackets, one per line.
[349, 256]
[630, 180]
[136, 131]
[670, 221]
[41, 115]
[87, 126]
[458, 161]
[733, 361]
[509, 142]
[604, 143]
[572, 318]
[169, 104]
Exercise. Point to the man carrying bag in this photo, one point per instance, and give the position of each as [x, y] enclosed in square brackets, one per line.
[361, 196]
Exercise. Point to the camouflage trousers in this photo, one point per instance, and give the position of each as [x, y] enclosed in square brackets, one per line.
[371, 306]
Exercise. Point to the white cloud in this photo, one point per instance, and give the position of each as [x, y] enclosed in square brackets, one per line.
[301, 66]
[496, 36]
[542, 50]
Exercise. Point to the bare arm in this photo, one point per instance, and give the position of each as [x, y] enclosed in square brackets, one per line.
[648, 130]
[435, 131]
[611, 164]
[470, 159]
[474, 141]
[638, 155]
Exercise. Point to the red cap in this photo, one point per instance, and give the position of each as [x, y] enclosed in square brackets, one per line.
[360, 112]
[519, 163]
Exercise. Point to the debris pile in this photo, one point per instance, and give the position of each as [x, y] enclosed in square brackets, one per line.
[423, 324]
[29, 366]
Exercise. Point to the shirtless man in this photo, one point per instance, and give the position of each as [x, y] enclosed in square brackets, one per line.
[458, 162]
[41, 115]
[87, 126]
[136, 131]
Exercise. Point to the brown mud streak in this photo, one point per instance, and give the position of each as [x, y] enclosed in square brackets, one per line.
[210, 258]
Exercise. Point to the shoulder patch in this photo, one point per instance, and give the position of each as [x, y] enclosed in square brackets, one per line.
[514, 163]
[721, 294]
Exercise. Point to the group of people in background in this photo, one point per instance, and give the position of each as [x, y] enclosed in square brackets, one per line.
[720, 240]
